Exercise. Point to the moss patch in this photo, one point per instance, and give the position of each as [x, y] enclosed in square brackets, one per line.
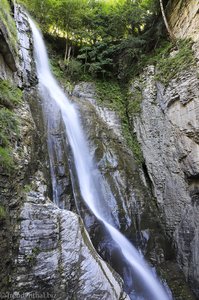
[170, 62]
[134, 101]
[8, 126]
[10, 95]
[111, 95]
[183, 59]
[2, 212]
[6, 159]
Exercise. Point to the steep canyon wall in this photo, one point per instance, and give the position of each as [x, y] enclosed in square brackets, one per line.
[168, 131]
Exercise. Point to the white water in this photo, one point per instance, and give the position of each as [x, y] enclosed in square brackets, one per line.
[85, 170]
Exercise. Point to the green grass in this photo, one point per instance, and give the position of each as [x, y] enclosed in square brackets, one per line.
[6, 159]
[10, 95]
[109, 94]
[169, 66]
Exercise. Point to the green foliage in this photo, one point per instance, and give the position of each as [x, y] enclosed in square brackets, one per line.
[8, 125]
[97, 59]
[10, 95]
[107, 37]
[110, 94]
[134, 102]
[74, 69]
[27, 188]
[2, 212]
[32, 257]
[56, 69]
[170, 65]
[6, 160]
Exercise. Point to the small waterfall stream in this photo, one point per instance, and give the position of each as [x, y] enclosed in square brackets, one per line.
[89, 179]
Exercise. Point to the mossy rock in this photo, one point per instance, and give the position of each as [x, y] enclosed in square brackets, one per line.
[3, 213]
[8, 126]
[171, 60]
[6, 160]
[10, 95]
[111, 95]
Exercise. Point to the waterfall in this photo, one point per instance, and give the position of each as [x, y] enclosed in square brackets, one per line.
[89, 178]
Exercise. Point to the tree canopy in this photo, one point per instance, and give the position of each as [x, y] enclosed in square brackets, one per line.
[108, 35]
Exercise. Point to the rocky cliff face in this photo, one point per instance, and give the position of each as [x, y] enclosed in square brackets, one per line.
[131, 202]
[183, 17]
[56, 257]
[167, 129]
[46, 251]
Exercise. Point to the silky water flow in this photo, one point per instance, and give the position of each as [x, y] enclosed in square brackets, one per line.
[88, 177]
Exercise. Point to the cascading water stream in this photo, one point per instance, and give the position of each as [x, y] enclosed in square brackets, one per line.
[88, 176]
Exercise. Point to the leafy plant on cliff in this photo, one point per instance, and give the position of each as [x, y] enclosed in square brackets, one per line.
[6, 159]
[10, 95]
[170, 61]
[8, 134]
[134, 101]
[8, 124]
[109, 94]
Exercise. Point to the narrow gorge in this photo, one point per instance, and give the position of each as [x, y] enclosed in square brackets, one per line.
[89, 209]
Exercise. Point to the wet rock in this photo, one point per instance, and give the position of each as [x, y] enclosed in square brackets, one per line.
[6, 48]
[126, 189]
[86, 90]
[56, 252]
[167, 129]
[25, 64]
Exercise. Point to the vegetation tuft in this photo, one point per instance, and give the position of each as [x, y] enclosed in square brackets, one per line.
[10, 97]
[170, 61]
[111, 95]
[2, 212]
[6, 159]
